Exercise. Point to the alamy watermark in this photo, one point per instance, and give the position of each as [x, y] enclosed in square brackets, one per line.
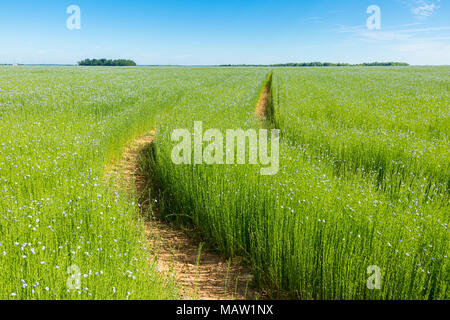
[235, 141]
[374, 21]
[74, 280]
[374, 281]
[74, 20]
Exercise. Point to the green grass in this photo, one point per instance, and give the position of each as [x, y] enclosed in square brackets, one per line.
[59, 128]
[393, 123]
[310, 230]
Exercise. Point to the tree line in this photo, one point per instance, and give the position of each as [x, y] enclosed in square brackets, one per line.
[326, 64]
[107, 62]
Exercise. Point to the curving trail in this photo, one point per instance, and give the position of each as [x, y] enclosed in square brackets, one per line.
[262, 107]
[202, 273]
[208, 276]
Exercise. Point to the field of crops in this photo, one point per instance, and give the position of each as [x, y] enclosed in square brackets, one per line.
[59, 127]
[364, 179]
[362, 195]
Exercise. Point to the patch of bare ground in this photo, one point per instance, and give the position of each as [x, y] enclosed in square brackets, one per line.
[202, 273]
[263, 102]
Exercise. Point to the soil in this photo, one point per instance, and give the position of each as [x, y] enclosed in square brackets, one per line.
[212, 277]
[263, 103]
[203, 273]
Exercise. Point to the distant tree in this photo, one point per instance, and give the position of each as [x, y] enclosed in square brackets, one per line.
[107, 62]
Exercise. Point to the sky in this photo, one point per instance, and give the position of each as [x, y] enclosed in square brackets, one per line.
[211, 32]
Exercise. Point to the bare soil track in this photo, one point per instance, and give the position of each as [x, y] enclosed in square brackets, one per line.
[204, 276]
[202, 273]
[263, 103]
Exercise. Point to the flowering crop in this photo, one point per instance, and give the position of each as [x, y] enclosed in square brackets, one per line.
[59, 127]
[361, 183]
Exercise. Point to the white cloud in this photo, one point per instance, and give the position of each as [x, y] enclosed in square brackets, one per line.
[391, 34]
[416, 45]
[424, 8]
[423, 51]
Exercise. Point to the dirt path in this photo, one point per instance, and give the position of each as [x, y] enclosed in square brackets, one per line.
[202, 273]
[263, 102]
[208, 276]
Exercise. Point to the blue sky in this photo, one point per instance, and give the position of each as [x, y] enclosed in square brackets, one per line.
[218, 32]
